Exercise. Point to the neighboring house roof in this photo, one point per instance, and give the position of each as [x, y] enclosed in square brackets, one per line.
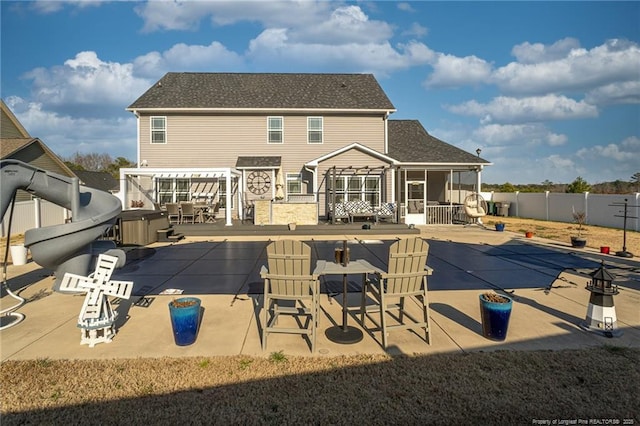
[98, 180]
[33, 151]
[409, 142]
[258, 162]
[9, 146]
[264, 91]
[10, 127]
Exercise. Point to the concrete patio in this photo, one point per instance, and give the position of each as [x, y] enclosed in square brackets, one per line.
[547, 280]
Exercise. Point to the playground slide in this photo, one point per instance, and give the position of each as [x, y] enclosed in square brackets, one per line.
[66, 247]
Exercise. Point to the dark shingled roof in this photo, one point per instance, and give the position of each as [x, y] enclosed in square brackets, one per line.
[98, 180]
[258, 162]
[409, 142]
[271, 91]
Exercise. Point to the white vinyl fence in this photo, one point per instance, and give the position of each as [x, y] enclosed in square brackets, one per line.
[36, 213]
[601, 209]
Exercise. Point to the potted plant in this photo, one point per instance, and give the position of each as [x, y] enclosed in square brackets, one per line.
[580, 218]
[495, 310]
[185, 319]
[499, 226]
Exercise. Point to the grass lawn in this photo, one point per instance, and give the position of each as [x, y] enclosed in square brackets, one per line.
[503, 387]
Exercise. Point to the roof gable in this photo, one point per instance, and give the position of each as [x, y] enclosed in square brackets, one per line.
[264, 91]
[362, 148]
[409, 142]
[10, 126]
[98, 180]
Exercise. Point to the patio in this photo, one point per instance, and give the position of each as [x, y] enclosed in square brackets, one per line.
[546, 278]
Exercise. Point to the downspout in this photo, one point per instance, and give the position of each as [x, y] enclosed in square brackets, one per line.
[314, 173]
[385, 119]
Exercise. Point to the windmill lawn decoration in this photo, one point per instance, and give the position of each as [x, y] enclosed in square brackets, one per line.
[97, 318]
[601, 313]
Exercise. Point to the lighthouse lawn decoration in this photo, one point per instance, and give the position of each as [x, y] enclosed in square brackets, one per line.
[601, 313]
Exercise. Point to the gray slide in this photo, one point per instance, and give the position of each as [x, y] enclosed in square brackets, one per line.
[68, 247]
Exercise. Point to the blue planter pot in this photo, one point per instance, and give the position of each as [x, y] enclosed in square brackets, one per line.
[495, 318]
[499, 227]
[185, 320]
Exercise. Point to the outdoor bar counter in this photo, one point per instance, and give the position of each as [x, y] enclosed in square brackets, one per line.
[269, 212]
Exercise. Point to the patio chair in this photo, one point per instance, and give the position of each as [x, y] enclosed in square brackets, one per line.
[209, 215]
[173, 212]
[406, 277]
[475, 207]
[288, 279]
[187, 212]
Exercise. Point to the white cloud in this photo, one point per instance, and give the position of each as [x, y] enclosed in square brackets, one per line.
[526, 110]
[66, 134]
[580, 69]
[627, 92]
[187, 15]
[518, 135]
[183, 57]
[405, 7]
[415, 30]
[452, 71]
[627, 151]
[273, 48]
[345, 25]
[86, 81]
[527, 53]
[48, 6]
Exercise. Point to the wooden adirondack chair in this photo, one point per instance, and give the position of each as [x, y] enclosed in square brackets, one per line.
[406, 278]
[288, 279]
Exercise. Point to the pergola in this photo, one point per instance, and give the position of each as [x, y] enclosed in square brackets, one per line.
[226, 173]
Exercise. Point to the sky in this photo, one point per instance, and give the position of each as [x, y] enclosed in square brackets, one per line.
[548, 91]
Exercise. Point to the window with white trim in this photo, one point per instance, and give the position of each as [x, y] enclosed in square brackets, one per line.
[172, 190]
[357, 188]
[314, 129]
[158, 129]
[275, 130]
[294, 183]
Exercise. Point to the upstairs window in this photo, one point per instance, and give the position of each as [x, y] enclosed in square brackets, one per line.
[275, 130]
[158, 129]
[314, 129]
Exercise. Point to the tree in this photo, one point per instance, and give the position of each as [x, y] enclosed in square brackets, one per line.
[91, 162]
[507, 187]
[114, 168]
[547, 184]
[578, 186]
[98, 163]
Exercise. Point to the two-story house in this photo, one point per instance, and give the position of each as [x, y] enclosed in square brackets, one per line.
[298, 143]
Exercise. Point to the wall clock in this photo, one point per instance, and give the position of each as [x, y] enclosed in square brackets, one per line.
[258, 182]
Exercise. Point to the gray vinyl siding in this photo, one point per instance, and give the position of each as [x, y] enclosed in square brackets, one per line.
[218, 140]
[209, 141]
[9, 130]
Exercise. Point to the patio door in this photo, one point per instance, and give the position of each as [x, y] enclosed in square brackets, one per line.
[415, 201]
